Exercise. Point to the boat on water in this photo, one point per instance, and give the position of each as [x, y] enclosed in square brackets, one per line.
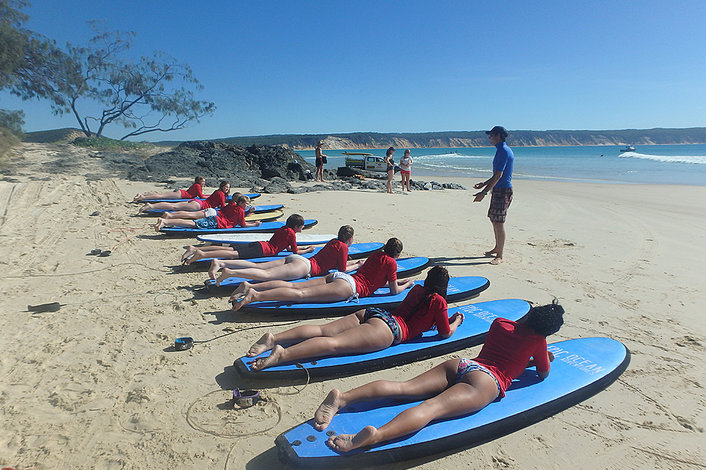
[627, 148]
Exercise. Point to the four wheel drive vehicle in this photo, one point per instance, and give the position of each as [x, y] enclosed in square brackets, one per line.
[365, 161]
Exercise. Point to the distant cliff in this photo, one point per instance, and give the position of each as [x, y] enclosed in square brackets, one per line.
[519, 138]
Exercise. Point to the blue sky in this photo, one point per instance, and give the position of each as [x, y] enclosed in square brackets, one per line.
[391, 66]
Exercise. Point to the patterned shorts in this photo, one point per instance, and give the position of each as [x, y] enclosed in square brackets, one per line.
[384, 315]
[499, 202]
[207, 222]
[467, 365]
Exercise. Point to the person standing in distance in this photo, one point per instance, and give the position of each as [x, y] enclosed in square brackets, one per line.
[319, 162]
[501, 186]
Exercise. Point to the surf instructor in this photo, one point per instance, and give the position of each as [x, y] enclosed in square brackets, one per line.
[501, 186]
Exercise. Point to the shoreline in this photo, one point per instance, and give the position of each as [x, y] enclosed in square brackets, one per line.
[97, 384]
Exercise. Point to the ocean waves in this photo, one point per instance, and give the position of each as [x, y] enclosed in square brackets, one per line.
[695, 159]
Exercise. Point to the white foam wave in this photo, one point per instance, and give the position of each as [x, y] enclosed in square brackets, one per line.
[697, 159]
[449, 156]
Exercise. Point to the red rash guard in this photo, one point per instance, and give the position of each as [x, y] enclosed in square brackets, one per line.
[334, 255]
[231, 215]
[507, 349]
[282, 239]
[215, 200]
[415, 315]
[378, 270]
[194, 191]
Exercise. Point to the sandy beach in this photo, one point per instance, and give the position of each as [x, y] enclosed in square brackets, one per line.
[98, 385]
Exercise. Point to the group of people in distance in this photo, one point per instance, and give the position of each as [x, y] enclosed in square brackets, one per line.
[453, 388]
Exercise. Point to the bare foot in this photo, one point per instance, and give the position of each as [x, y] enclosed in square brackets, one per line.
[348, 442]
[224, 275]
[144, 208]
[263, 344]
[159, 225]
[496, 261]
[240, 291]
[247, 298]
[272, 360]
[328, 409]
[188, 253]
[216, 266]
[137, 197]
[491, 253]
[198, 254]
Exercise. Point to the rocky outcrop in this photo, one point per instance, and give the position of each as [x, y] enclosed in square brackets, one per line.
[242, 166]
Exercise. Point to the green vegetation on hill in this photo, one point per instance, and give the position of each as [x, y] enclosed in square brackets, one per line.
[696, 135]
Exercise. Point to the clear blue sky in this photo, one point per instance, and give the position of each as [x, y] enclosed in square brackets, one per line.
[410, 66]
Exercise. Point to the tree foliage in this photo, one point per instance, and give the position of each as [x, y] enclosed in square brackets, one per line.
[150, 94]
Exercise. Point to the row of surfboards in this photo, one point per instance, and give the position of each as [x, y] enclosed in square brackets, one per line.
[582, 367]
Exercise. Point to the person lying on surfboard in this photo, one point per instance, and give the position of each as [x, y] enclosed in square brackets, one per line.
[378, 270]
[284, 238]
[194, 191]
[455, 387]
[334, 255]
[200, 214]
[215, 200]
[367, 330]
[231, 215]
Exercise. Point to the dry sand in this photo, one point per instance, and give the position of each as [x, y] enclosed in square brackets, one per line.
[97, 385]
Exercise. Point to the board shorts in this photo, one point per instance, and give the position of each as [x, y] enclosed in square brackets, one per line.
[499, 203]
[405, 172]
[251, 250]
[467, 365]
[295, 256]
[207, 222]
[349, 279]
[384, 315]
[319, 162]
[210, 212]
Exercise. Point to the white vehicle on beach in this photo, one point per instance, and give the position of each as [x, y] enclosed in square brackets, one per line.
[365, 161]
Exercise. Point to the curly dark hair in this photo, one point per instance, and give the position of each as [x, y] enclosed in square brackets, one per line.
[546, 320]
[437, 281]
[393, 247]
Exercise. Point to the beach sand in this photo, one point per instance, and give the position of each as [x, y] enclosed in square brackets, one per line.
[97, 384]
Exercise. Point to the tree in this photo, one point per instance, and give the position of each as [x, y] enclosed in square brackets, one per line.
[151, 94]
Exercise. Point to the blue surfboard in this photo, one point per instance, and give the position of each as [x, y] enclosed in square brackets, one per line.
[228, 198]
[256, 209]
[460, 288]
[406, 267]
[355, 251]
[582, 368]
[263, 227]
[472, 332]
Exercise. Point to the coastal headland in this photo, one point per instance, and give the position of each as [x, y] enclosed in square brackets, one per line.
[97, 383]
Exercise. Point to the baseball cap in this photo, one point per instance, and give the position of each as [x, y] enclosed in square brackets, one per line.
[498, 130]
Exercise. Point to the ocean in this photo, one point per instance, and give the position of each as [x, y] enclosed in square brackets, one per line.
[652, 164]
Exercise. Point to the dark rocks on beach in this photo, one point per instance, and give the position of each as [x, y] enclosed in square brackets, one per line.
[242, 166]
[263, 168]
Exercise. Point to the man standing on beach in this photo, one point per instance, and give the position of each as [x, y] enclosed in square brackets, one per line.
[501, 185]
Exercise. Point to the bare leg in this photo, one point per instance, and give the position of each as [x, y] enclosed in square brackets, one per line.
[175, 223]
[197, 214]
[475, 392]
[499, 230]
[313, 290]
[277, 269]
[156, 195]
[212, 252]
[172, 206]
[373, 335]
